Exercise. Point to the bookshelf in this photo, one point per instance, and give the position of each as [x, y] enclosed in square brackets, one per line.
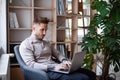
[73, 23]
[67, 23]
[66, 28]
[25, 11]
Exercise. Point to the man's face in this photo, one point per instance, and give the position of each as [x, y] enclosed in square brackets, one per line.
[40, 30]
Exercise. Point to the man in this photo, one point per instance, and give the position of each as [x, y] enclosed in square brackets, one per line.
[38, 53]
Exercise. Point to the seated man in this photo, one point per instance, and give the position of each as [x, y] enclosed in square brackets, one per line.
[37, 53]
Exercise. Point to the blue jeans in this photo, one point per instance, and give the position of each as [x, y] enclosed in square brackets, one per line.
[80, 74]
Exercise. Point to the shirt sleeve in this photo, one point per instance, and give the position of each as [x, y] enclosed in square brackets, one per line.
[26, 52]
[50, 67]
[57, 54]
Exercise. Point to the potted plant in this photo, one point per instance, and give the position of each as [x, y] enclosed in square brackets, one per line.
[107, 42]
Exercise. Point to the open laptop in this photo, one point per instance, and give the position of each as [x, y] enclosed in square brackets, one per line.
[77, 62]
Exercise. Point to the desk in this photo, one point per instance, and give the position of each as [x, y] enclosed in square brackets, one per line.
[4, 67]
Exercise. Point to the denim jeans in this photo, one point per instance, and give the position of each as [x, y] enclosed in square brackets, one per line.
[80, 74]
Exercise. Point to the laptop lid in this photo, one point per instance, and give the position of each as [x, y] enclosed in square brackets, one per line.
[77, 62]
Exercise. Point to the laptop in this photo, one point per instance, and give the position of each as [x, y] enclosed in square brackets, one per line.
[76, 63]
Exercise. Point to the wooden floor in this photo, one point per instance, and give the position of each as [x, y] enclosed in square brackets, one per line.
[16, 73]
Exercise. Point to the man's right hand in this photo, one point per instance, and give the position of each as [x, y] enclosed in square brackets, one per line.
[61, 66]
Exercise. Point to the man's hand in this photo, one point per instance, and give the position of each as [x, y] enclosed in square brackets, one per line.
[65, 65]
[61, 66]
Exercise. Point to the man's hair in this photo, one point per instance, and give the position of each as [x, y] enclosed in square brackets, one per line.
[39, 20]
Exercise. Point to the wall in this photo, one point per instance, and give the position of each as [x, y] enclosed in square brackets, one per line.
[3, 27]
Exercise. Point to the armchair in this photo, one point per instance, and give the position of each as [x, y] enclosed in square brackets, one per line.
[29, 73]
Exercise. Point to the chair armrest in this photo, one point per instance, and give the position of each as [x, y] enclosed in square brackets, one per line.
[34, 74]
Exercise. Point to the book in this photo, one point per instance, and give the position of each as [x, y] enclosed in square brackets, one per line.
[61, 7]
[13, 20]
[62, 49]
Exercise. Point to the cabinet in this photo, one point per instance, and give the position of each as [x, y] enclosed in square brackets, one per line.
[65, 28]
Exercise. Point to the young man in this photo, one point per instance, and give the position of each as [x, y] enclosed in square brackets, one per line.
[38, 53]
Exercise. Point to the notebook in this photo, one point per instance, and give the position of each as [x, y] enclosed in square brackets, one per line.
[77, 62]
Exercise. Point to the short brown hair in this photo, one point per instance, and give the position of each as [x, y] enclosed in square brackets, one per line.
[39, 20]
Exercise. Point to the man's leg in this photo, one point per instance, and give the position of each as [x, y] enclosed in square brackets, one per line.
[87, 72]
[54, 75]
[78, 76]
[72, 76]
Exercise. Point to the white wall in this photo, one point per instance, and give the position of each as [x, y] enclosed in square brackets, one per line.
[3, 27]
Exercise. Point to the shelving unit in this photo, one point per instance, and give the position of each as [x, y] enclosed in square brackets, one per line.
[84, 20]
[75, 21]
[65, 28]
[25, 11]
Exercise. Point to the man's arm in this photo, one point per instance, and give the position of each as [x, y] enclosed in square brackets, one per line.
[26, 51]
[57, 54]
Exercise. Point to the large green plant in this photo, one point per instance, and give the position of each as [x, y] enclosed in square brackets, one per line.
[107, 18]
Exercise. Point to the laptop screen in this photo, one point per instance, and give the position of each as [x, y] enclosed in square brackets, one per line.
[77, 60]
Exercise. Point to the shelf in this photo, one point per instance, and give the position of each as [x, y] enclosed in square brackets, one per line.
[58, 15]
[52, 23]
[15, 42]
[73, 29]
[28, 28]
[20, 28]
[20, 7]
[70, 15]
[66, 42]
[44, 8]
[67, 15]
[81, 16]
[86, 27]
[63, 28]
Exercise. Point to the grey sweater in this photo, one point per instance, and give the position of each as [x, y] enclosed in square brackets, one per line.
[37, 53]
